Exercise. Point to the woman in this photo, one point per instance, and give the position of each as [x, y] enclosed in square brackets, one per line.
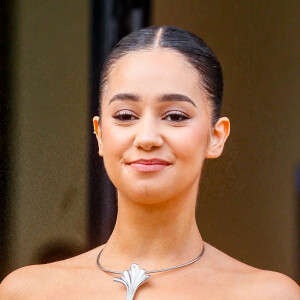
[159, 119]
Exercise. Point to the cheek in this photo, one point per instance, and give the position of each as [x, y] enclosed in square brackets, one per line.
[115, 142]
[193, 141]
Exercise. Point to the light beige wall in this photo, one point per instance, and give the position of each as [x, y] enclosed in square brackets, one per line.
[247, 197]
[50, 94]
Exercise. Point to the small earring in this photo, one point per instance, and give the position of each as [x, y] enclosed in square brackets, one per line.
[95, 132]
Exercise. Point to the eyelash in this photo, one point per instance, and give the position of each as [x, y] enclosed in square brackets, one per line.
[125, 113]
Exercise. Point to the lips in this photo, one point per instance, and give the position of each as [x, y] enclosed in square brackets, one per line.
[153, 161]
[149, 165]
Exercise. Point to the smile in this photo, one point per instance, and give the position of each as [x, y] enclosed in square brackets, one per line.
[149, 165]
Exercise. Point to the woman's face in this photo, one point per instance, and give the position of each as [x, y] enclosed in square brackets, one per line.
[153, 108]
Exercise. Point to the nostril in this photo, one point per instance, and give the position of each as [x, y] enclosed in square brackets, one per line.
[148, 142]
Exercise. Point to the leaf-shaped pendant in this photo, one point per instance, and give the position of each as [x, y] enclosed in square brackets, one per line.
[132, 279]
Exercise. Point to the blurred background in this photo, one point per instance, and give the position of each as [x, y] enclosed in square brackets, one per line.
[56, 200]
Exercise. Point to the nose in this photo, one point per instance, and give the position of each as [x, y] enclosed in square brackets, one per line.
[148, 135]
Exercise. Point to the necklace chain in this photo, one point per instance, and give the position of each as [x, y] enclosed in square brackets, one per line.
[154, 271]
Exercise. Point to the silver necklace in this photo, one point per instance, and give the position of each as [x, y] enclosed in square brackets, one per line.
[136, 276]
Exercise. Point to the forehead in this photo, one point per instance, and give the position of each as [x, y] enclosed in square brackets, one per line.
[153, 72]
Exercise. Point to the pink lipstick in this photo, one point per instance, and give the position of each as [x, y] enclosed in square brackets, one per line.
[149, 165]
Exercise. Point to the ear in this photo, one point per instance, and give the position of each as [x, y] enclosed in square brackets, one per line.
[219, 135]
[98, 133]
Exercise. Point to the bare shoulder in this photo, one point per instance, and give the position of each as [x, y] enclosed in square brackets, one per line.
[246, 282]
[274, 285]
[36, 281]
[24, 282]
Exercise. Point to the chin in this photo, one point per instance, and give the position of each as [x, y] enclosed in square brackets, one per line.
[149, 201]
[148, 195]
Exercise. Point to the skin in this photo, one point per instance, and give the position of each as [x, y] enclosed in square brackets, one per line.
[156, 225]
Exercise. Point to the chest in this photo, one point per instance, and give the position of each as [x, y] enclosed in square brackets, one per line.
[165, 287]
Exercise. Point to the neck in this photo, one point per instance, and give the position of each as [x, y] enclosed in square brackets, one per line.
[154, 235]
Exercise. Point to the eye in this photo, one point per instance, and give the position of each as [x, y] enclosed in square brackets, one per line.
[124, 115]
[176, 116]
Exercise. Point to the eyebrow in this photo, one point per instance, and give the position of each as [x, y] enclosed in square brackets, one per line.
[162, 98]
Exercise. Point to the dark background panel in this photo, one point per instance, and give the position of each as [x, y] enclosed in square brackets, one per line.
[5, 113]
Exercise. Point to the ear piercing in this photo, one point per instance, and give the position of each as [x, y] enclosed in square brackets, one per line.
[95, 132]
